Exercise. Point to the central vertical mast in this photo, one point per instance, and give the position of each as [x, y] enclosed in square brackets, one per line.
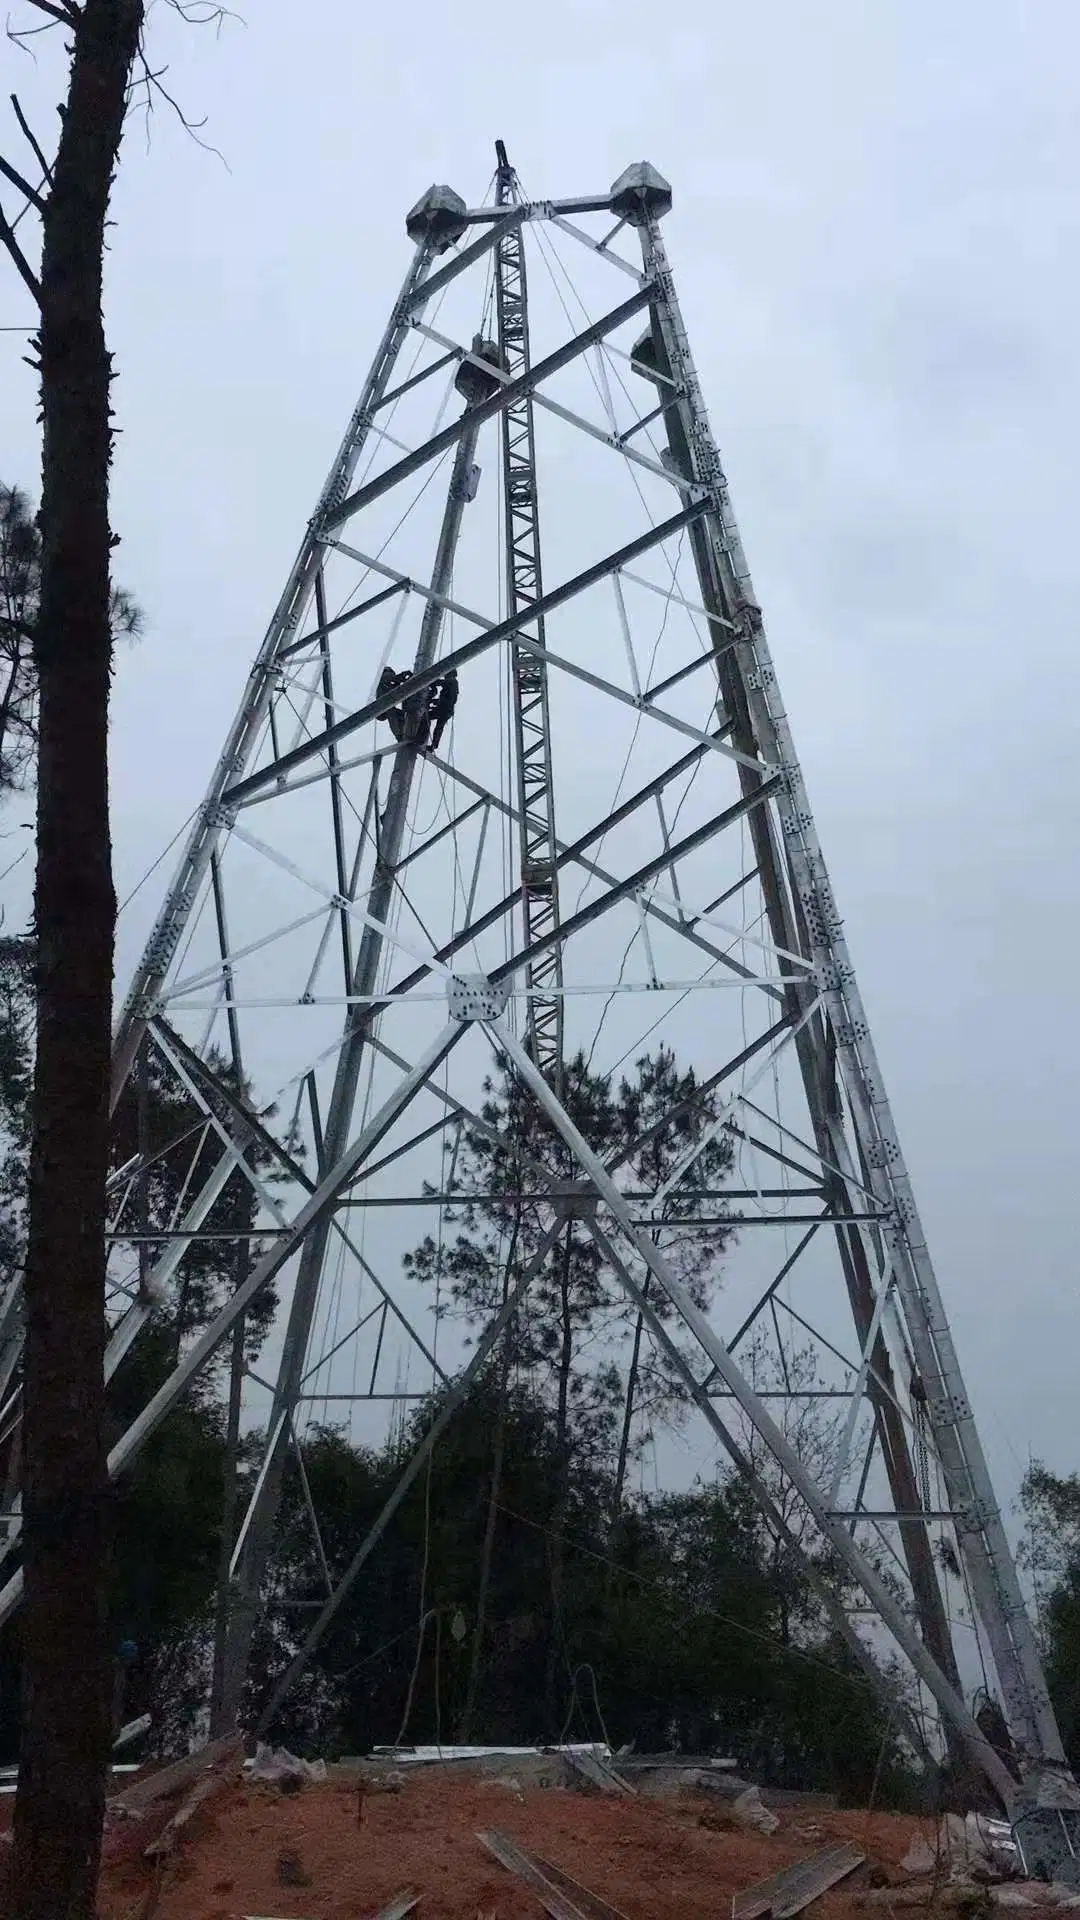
[524, 587]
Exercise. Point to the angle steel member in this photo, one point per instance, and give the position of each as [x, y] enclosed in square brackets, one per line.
[891, 1612]
[257, 1528]
[524, 587]
[980, 1532]
[788, 920]
[247, 726]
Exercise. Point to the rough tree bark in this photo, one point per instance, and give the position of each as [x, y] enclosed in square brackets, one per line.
[468, 1711]
[66, 1730]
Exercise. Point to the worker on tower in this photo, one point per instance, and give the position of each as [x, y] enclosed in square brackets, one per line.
[444, 698]
[395, 719]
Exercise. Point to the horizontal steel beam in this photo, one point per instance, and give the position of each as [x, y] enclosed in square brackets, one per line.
[497, 402]
[462, 656]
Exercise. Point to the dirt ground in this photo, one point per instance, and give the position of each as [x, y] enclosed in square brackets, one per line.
[648, 1858]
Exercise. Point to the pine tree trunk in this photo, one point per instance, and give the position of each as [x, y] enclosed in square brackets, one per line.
[557, 1555]
[65, 1727]
[476, 1658]
[220, 1722]
[629, 1406]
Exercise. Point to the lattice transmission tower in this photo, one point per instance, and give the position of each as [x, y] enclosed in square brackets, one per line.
[605, 848]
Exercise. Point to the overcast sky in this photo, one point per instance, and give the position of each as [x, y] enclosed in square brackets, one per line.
[875, 240]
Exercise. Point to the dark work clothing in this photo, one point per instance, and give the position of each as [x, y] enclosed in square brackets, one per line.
[395, 719]
[444, 698]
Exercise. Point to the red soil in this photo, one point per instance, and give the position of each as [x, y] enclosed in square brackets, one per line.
[648, 1858]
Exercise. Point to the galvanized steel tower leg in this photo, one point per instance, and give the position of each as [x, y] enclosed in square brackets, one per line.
[980, 1532]
[658, 355]
[258, 1526]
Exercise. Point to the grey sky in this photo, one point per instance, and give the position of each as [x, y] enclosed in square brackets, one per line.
[874, 237]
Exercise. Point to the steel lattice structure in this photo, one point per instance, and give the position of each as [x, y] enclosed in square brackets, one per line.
[326, 937]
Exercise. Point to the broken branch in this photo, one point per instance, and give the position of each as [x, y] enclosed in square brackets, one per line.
[22, 265]
[38, 155]
[151, 80]
[10, 173]
[68, 16]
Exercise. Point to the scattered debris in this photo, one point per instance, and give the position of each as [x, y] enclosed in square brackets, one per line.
[554, 1901]
[590, 1769]
[590, 1903]
[648, 1857]
[276, 1764]
[167, 1840]
[1035, 1894]
[750, 1811]
[977, 1848]
[788, 1892]
[399, 1907]
[726, 1786]
[959, 1896]
[221, 1755]
[920, 1859]
[132, 1731]
[449, 1756]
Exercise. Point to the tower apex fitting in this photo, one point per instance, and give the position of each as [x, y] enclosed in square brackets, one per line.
[438, 216]
[641, 194]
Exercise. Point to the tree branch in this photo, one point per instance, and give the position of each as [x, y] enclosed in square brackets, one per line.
[18, 627]
[38, 155]
[204, 13]
[22, 265]
[24, 186]
[68, 16]
[152, 81]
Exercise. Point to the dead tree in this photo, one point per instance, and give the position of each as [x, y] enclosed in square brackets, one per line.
[66, 1725]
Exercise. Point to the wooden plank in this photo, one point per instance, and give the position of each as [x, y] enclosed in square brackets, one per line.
[172, 1779]
[597, 1773]
[402, 1904]
[787, 1893]
[200, 1793]
[553, 1901]
[590, 1903]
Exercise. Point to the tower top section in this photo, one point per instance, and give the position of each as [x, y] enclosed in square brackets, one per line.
[639, 197]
